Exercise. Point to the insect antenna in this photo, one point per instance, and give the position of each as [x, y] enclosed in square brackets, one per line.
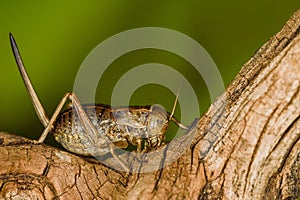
[40, 111]
[173, 110]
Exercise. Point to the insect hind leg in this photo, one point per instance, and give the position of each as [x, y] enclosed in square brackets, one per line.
[84, 119]
[53, 118]
[89, 128]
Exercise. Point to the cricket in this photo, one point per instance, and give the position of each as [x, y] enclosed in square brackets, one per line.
[90, 130]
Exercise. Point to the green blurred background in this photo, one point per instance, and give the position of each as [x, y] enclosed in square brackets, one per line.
[55, 37]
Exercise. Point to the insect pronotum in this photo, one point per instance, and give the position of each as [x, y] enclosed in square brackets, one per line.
[98, 129]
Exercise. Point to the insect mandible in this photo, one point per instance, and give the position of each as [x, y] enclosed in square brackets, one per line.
[98, 129]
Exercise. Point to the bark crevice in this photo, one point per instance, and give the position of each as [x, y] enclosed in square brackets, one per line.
[246, 146]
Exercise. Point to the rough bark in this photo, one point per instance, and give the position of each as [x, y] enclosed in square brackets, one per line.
[245, 147]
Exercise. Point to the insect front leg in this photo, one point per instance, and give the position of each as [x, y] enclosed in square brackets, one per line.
[139, 145]
[123, 165]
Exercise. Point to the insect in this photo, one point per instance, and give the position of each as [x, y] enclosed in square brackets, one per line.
[91, 130]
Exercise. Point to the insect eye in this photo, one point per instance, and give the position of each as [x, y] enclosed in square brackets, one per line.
[159, 121]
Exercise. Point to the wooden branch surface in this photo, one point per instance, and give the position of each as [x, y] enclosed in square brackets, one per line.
[245, 147]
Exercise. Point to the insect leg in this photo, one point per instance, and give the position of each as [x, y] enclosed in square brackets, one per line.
[36, 102]
[89, 128]
[139, 145]
[84, 119]
[147, 146]
[53, 118]
[123, 165]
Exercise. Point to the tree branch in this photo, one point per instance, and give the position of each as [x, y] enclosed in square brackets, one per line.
[245, 147]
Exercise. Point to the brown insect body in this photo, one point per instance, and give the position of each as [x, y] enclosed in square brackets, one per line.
[121, 126]
[98, 129]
